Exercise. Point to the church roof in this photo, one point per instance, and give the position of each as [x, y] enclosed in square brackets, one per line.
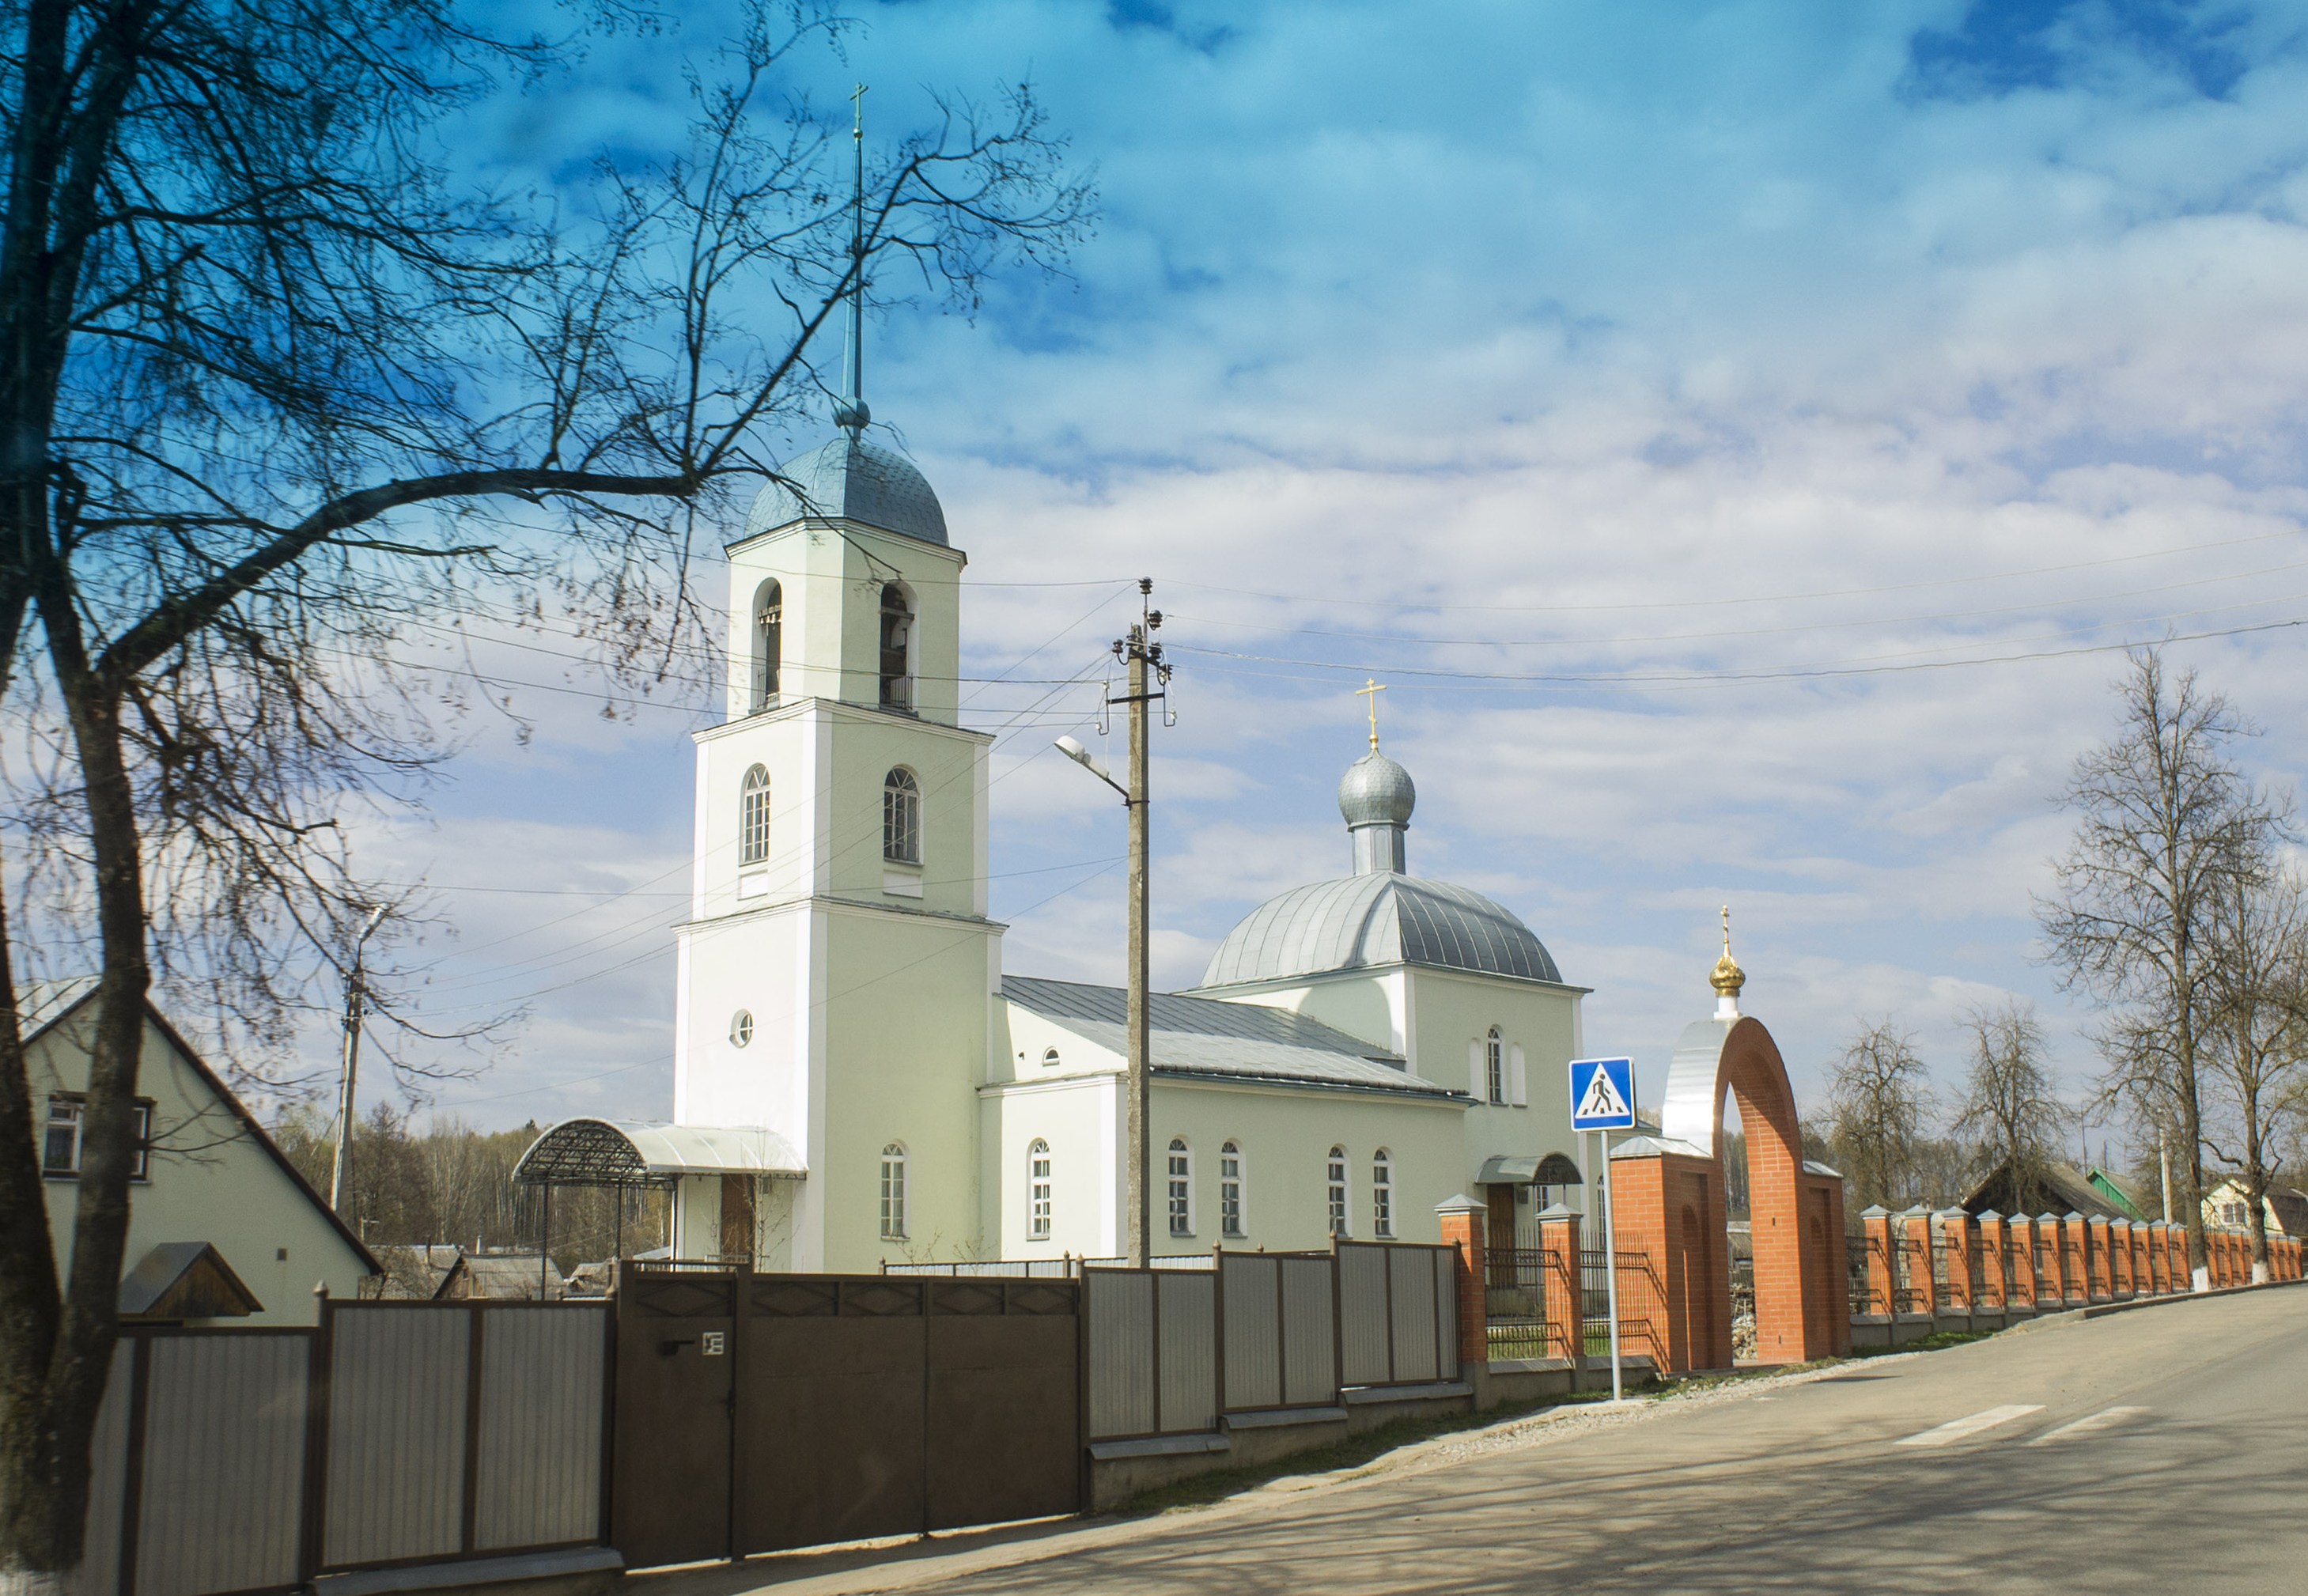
[851, 479]
[1378, 919]
[1243, 1042]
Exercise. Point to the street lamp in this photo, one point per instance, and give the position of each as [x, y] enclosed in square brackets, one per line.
[1139, 653]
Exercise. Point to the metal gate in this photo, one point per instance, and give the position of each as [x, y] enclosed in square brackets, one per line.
[758, 1412]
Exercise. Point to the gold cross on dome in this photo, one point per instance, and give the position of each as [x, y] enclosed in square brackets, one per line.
[1371, 688]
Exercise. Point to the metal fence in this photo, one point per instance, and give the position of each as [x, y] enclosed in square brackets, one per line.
[1859, 1252]
[1171, 1350]
[1066, 1266]
[1639, 1301]
[241, 1460]
[1520, 1283]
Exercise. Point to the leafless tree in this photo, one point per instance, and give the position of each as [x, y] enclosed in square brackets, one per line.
[2165, 823]
[286, 377]
[2012, 1112]
[2256, 1037]
[1879, 1106]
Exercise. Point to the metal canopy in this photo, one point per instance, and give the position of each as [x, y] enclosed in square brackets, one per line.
[1554, 1169]
[628, 1152]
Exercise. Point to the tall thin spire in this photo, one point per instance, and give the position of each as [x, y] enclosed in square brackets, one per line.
[851, 413]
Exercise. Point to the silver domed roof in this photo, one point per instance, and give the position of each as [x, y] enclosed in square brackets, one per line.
[851, 479]
[1376, 791]
[1378, 919]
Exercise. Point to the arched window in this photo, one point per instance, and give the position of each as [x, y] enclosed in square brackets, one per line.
[1037, 1191]
[1182, 1187]
[893, 1192]
[753, 817]
[1495, 1064]
[896, 638]
[1049, 1058]
[1230, 1215]
[1381, 1195]
[902, 817]
[769, 643]
[1335, 1181]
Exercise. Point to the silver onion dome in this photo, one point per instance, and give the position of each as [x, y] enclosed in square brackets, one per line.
[851, 479]
[1376, 791]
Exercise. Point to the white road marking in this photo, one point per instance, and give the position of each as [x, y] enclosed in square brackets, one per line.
[2086, 1425]
[1956, 1429]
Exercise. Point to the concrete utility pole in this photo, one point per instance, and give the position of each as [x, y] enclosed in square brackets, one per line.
[2164, 1157]
[340, 1182]
[1147, 675]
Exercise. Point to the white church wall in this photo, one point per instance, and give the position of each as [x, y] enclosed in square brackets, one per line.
[904, 1023]
[759, 963]
[1373, 1006]
[1078, 1114]
[1455, 1014]
[1286, 1136]
[866, 745]
[788, 743]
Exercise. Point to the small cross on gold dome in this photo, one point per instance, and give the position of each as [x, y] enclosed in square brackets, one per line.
[1726, 977]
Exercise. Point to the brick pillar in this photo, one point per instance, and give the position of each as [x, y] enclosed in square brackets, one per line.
[2136, 1240]
[1464, 1222]
[1956, 1241]
[1558, 1247]
[2152, 1262]
[2099, 1270]
[2175, 1256]
[2051, 1244]
[2019, 1232]
[1875, 1224]
[2119, 1259]
[1995, 1246]
[1923, 1293]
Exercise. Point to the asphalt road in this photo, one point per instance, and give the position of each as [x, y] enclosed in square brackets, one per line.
[2162, 1450]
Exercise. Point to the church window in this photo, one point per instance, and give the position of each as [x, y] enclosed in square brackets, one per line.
[769, 643]
[753, 817]
[902, 817]
[1182, 1187]
[1495, 1064]
[1381, 1195]
[1038, 1190]
[893, 1192]
[1335, 1179]
[897, 639]
[1230, 1191]
[1049, 1058]
[741, 1027]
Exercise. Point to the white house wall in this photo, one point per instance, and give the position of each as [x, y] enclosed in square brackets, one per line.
[211, 1181]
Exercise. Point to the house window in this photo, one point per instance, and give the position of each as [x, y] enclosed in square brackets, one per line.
[753, 817]
[1335, 1179]
[1494, 1066]
[741, 1027]
[896, 634]
[902, 817]
[1230, 1191]
[1049, 1058]
[60, 1151]
[769, 643]
[893, 1192]
[1381, 1195]
[1037, 1191]
[1182, 1189]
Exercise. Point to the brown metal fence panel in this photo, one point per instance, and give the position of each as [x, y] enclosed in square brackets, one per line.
[1251, 1286]
[396, 1427]
[536, 1448]
[1004, 1424]
[1187, 1311]
[219, 1496]
[1120, 1304]
[670, 1497]
[1365, 1328]
[1444, 1270]
[1309, 1333]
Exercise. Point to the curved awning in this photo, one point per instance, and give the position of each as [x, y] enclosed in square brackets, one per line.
[637, 1152]
[1554, 1169]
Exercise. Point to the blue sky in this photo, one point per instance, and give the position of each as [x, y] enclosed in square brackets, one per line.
[1749, 372]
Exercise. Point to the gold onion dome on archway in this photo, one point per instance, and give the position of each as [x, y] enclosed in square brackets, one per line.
[1726, 977]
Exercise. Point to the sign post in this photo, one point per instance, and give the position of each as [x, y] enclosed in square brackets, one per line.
[1603, 1099]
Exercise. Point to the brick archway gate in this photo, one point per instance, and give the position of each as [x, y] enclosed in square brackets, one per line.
[1668, 1191]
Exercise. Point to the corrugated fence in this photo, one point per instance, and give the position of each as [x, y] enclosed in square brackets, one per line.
[396, 1433]
[1171, 1351]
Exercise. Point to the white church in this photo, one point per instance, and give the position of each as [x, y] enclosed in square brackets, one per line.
[858, 1080]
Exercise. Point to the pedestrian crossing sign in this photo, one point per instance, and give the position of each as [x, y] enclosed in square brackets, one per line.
[1602, 1094]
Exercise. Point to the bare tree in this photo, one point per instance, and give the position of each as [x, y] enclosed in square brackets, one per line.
[2165, 823]
[2012, 1112]
[2256, 1036]
[1879, 1104]
[284, 380]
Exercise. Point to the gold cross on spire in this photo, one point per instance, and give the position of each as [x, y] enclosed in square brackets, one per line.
[1371, 688]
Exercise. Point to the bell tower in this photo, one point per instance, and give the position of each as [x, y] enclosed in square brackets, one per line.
[838, 974]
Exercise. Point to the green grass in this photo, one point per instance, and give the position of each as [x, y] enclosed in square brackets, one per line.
[1937, 1341]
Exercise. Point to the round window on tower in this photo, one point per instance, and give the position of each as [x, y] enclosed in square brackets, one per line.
[741, 1027]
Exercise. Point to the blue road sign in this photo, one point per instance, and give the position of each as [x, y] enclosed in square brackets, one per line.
[1602, 1094]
